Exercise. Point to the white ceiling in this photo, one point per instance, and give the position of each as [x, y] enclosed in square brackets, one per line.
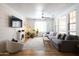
[33, 10]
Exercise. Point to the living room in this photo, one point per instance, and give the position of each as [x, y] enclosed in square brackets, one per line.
[31, 28]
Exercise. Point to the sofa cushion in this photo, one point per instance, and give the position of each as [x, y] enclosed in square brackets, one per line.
[51, 33]
[72, 37]
[56, 41]
[54, 34]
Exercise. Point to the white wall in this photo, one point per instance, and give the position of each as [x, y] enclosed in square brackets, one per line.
[6, 32]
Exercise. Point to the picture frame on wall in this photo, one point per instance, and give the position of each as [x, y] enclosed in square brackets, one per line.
[15, 22]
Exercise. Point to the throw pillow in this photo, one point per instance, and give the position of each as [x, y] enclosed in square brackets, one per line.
[48, 33]
[59, 36]
[63, 36]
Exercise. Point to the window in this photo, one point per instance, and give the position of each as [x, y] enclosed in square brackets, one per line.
[64, 26]
[61, 25]
[72, 22]
[40, 26]
[57, 25]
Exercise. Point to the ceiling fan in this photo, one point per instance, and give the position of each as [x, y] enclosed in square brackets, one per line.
[43, 16]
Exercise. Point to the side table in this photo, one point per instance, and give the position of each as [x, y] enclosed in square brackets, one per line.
[45, 41]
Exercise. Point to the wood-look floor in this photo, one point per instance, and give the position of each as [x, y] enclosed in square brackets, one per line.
[48, 51]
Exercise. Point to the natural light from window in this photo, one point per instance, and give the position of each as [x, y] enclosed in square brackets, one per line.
[72, 23]
[41, 26]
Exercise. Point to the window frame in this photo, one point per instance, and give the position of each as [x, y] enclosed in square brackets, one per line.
[72, 23]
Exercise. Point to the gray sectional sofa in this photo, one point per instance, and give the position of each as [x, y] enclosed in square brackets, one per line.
[65, 42]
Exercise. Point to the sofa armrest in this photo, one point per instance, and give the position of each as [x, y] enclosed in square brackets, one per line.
[68, 45]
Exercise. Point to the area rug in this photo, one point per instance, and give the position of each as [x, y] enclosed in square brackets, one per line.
[34, 44]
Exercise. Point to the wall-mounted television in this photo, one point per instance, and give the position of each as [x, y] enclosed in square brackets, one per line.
[15, 22]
